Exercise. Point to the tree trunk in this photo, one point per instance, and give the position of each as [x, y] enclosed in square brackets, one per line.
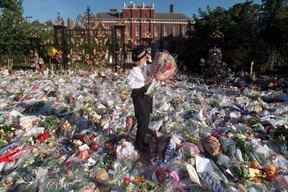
[272, 59]
[25, 60]
[12, 62]
[8, 62]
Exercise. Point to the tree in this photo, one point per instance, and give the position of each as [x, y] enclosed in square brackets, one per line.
[239, 24]
[11, 5]
[13, 28]
[242, 36]
[274, 30]
[18, 36]
[274, 20]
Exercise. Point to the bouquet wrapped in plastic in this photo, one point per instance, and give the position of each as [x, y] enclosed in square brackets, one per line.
[164, 68]
[126, 151]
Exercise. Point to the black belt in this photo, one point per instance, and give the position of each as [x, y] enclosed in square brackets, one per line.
[139, 92]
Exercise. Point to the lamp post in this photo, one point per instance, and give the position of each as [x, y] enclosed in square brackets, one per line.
[88, 15]
[60, 40]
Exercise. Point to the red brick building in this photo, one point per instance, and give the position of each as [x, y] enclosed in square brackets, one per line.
[142, 21]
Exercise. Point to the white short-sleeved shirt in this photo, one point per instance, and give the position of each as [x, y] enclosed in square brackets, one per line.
[137, 76]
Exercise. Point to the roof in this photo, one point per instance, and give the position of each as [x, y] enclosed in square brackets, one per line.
[159, 16]
[106, 15]
[171, 16]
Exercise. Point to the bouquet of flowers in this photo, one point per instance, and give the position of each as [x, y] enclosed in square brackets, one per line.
[164, 68]
[164, 64]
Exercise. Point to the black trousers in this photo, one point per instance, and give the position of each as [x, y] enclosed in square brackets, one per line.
[143, 108]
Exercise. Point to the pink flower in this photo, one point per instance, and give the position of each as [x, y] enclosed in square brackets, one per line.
[174, 176]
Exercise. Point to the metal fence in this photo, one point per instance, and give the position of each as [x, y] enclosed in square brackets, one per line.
[94, 48]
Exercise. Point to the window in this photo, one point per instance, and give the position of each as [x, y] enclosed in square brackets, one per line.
[164, 31]
[155, 31]
[137, 29]
[174, 30]
[127, 30]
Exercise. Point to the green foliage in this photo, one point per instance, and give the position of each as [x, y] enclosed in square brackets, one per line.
[50, 123]
[251, 32]
[241, 172]
[6, 134]
[12, 5]
[17, 35]
[275, 22]
[245, 148]
[280, 135]
[238, 24]
[12, 27]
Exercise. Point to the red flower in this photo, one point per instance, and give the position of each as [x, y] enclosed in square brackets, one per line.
[94, 146]
[43, 137]
[161, 174]
[84, 138]
[126, 180]
[92, 138]
[68, 164]
[167, 67]
[87, 139]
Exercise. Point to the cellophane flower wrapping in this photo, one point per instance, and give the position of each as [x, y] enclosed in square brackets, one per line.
[164, 65]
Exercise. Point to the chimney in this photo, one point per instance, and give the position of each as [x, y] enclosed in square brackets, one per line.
[171, 8]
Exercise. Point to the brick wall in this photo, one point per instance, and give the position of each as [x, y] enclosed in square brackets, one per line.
[140, 22]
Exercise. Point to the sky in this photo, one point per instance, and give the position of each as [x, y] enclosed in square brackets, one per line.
[44, 10]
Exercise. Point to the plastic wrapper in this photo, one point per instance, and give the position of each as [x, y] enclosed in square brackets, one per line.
[12, 158]
[126, 151]
[190, 149]
[154, 86]
[193, 174]
[212, 183]
[170, 151]
[163, 66]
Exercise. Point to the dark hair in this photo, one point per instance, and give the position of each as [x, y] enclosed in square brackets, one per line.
[137, 52]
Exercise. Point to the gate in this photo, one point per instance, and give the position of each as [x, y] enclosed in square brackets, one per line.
[91, 48]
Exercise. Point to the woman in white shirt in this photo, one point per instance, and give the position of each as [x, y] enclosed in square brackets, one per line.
[139, 80]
